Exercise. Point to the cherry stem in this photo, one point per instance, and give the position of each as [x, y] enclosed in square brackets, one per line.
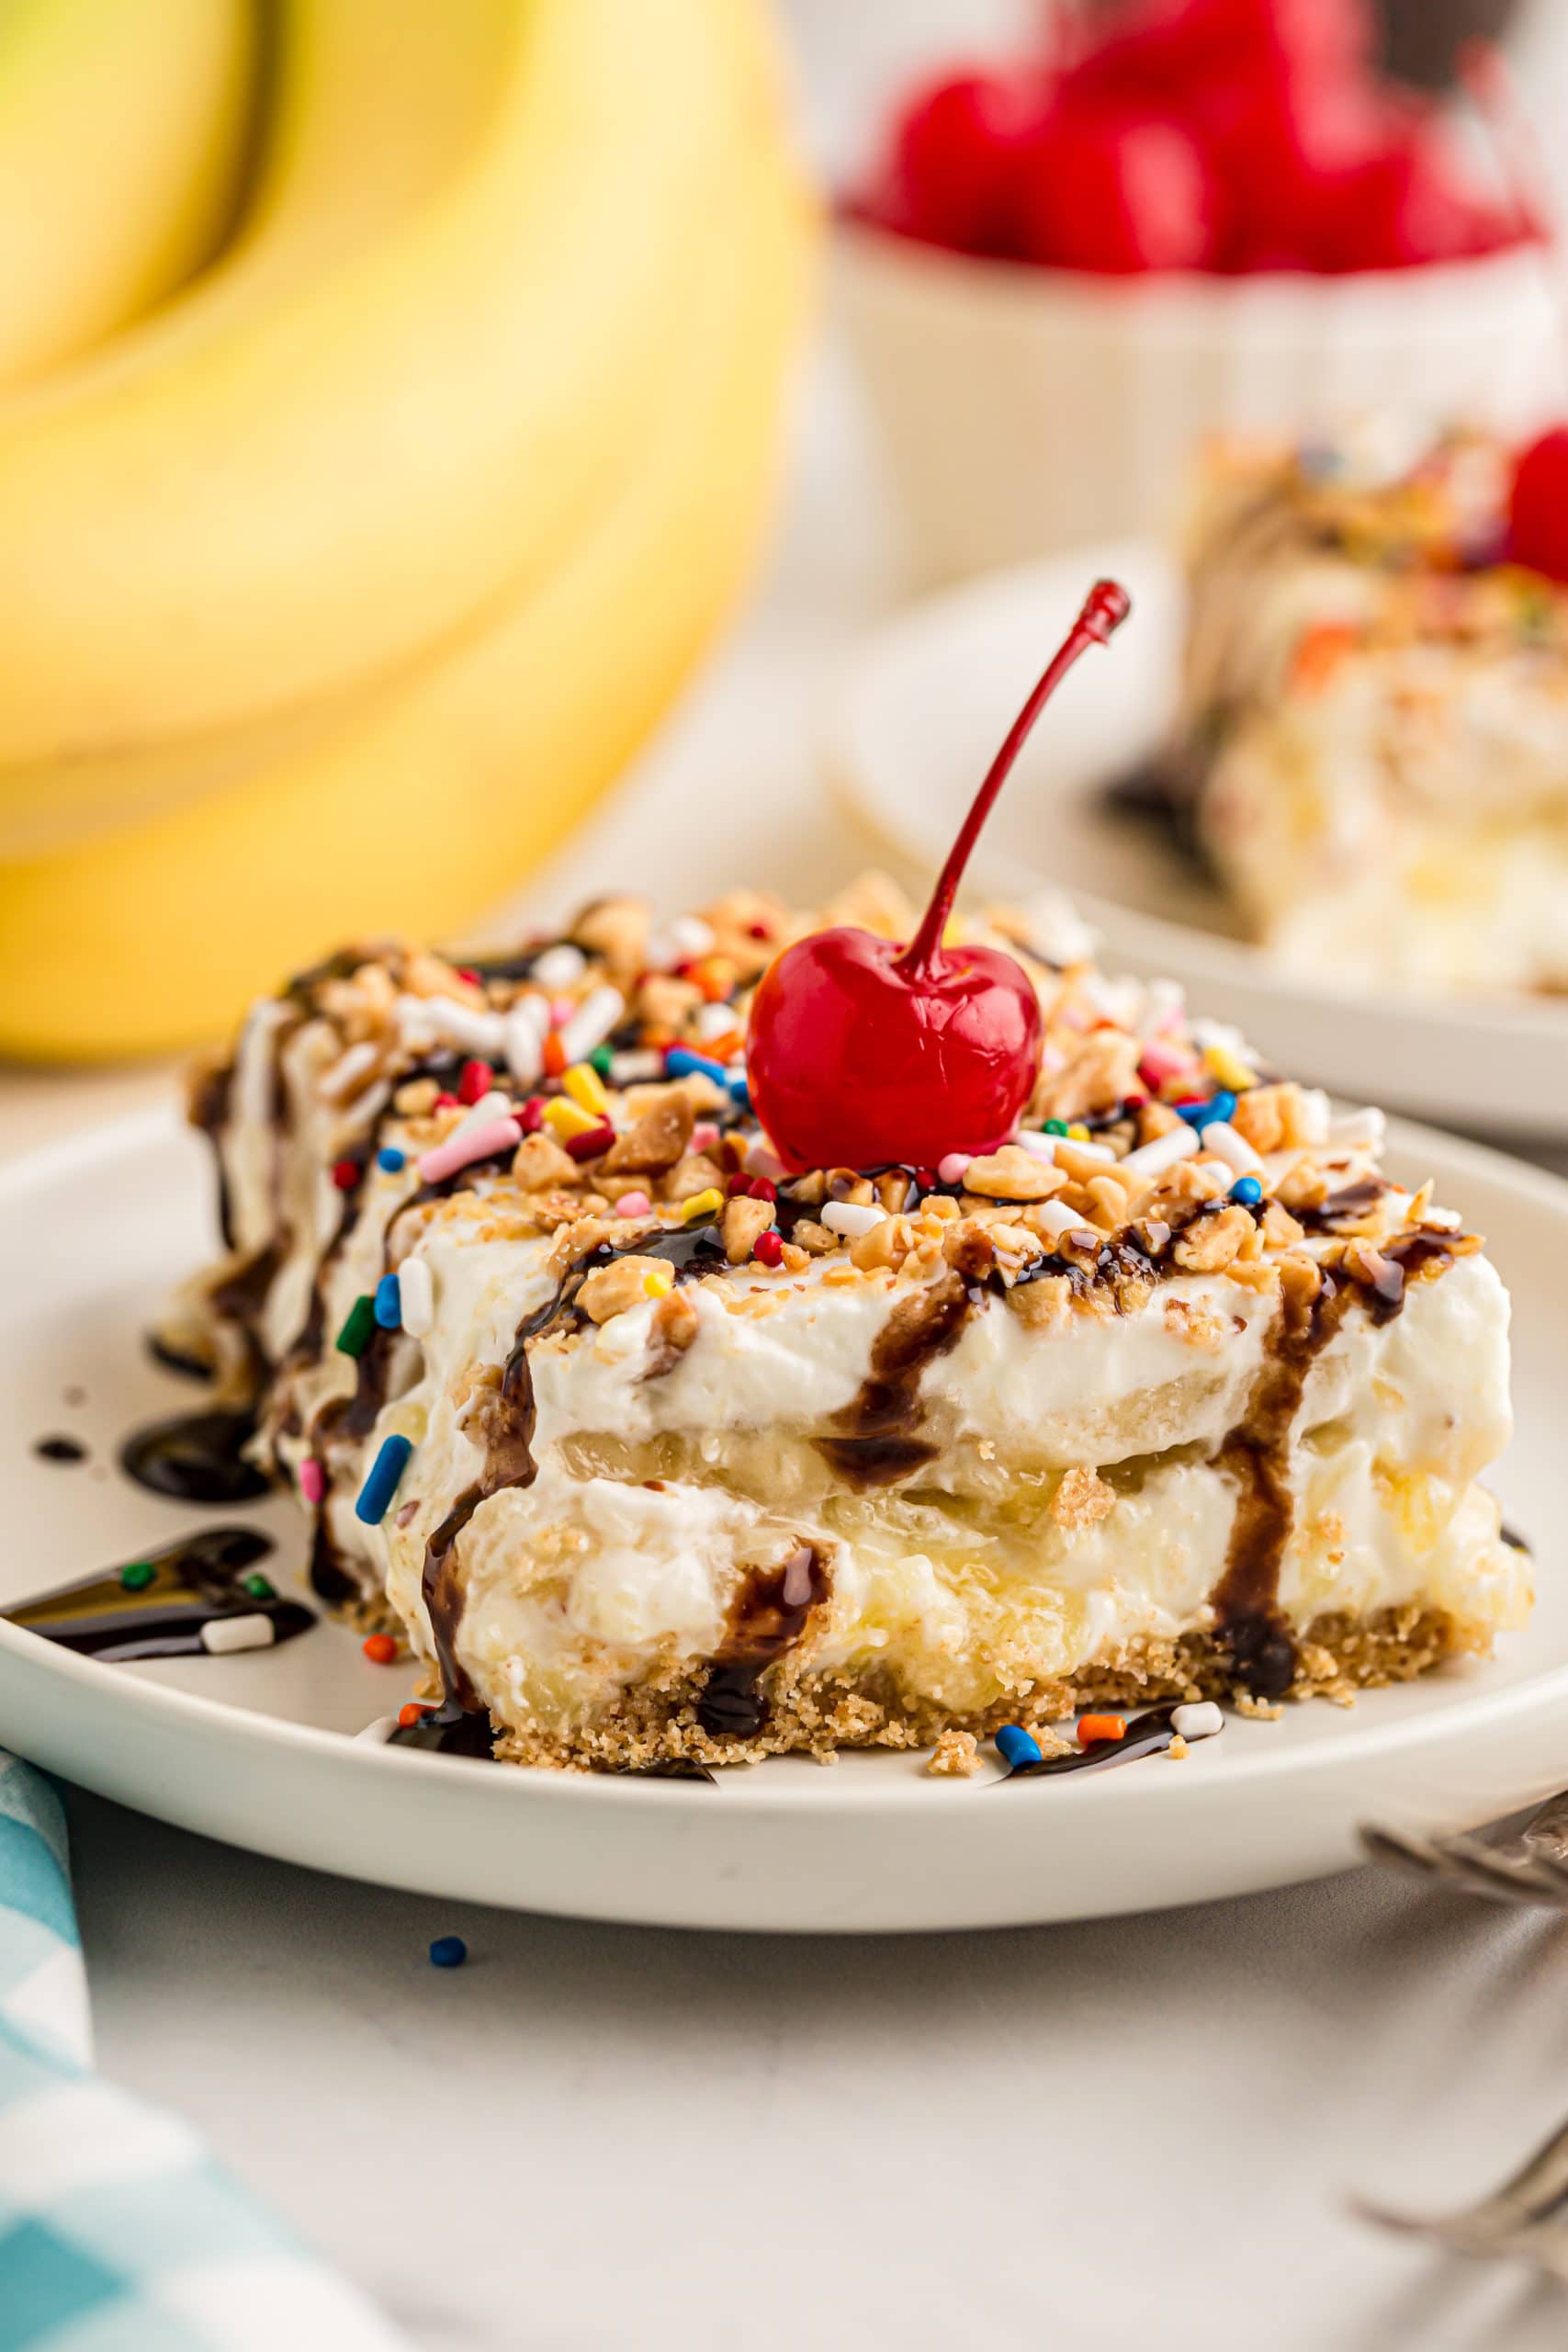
[1105, 608]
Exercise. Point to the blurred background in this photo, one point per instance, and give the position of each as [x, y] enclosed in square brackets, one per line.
[446, 459]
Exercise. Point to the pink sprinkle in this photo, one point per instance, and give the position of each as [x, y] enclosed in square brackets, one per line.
[1159, 1063]
[562, 1009]
[634, 1204]
[954, 1168]
[461, 1150]
[705, 1135]
[313, 1480]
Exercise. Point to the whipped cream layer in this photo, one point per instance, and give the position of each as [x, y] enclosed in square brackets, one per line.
[705, 1459]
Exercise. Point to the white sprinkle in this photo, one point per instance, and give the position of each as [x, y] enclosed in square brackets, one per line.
[378, 1734]
[1218, 1036]
[560, 967]
[220, 1635]
[714, 1019]
[1365, 1129]
[638, 1068]
[1222, 1140]
[1200, 1721]
[681, 942]
[1153, 1159]
[599, 1012]
[526, 1026]
[850, 1218]
[1041, 1146]
[483, 1113]
[954, 1168]
[348, 1069]
[1058, 1220]
[422, 1019]
[1314, 1114]
[416, 1291]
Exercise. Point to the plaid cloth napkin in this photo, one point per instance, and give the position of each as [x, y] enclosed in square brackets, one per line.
[118, 2231]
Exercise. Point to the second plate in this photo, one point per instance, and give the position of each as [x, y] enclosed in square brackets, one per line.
[930, 696]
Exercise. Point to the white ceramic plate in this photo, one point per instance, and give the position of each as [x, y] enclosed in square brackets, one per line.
[253, 1748]
[931, 696]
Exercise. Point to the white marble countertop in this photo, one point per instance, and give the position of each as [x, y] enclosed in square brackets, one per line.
[591, 2138]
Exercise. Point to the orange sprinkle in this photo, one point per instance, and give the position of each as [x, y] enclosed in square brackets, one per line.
[1319, 653]
[410, 1713]
[721, 1048]
[1093, 1727]
[380, 1649]
[555, 1055]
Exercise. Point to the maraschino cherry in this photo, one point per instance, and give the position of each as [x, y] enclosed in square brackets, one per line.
[862, 1053]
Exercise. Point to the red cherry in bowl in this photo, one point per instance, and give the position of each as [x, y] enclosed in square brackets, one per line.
[949, 180]
[1537, 507]
[1115, 190]
[861, 1053]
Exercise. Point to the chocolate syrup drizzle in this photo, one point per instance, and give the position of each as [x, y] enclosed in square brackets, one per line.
[767, 1617]
[1256, 1453]
[197, 1458]
[195, 1581]
[876, 1441]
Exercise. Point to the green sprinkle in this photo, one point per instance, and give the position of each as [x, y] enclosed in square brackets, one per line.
[258, 1587]
[1055, 1126]
[138, 1576]
[358, 1327]
[599, 1059]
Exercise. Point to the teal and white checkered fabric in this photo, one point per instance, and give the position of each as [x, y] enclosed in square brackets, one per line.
[118, 2231]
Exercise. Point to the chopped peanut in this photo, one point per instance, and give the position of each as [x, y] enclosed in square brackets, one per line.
[656, 1140]
[696, 1173]
[610, 1290]
[1208, 1246]
[615, 929]
[1011, 1174]
[540, 1165]
[744, 1219]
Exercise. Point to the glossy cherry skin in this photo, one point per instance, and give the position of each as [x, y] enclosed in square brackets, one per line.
[1117, 191]
[852, 1063]
[1538, 512]
[950, 180]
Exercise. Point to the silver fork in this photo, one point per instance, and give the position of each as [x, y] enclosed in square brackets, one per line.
[1531, 1868]
[1526, 2219]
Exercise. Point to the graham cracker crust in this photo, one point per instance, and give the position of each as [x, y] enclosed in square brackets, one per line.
[817, 1713]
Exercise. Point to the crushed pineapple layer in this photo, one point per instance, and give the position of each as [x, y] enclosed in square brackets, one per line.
[623, 1559]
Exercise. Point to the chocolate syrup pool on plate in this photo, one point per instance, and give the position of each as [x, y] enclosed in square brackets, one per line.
[201, 1594]
[197, 1458]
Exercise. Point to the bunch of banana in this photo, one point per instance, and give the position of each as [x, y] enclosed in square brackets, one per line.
[332, 589]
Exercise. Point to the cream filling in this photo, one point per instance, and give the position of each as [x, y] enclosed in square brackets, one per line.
[960, 1584]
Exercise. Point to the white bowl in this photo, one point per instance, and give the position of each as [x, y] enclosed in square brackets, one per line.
[1027, 409]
